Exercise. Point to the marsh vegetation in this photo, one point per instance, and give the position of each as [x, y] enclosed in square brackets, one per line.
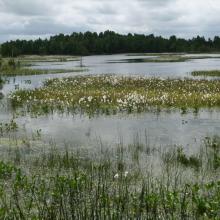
[1, 85]
[212, 73]
[48, 178]
[34, 58]
[163, 58]
[110, 94]
[14, 67]
[137, 181]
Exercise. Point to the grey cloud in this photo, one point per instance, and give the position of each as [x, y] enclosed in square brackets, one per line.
[155, 3]
[25, 7]
[29, 18]
[48, 26]
[39, 27]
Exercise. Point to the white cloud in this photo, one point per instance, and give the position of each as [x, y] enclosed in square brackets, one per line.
[31, 18]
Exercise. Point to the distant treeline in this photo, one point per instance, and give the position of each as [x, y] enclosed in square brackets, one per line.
[108, 42]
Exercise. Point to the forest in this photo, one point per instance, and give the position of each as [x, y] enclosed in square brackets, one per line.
[107, 42]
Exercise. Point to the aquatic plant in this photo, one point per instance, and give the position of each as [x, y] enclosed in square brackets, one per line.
[211, 73]
[156, 59]
[1, 85]
[162, 58]
[75, 185]
[12, 67]
[8, 127]
[25, 71]
[29, 59]
[188, 161]
[110, 94]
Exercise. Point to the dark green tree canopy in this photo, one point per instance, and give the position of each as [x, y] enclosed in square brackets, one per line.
[107, 42]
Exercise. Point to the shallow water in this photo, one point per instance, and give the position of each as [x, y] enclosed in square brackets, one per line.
[160, 129]
[104, 65]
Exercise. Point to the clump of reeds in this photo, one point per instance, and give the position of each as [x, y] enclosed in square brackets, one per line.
[74, 185]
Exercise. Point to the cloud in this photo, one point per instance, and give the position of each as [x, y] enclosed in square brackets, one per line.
[26, 7]
[31, 18]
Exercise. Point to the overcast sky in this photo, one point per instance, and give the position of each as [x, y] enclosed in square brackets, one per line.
[42, 18]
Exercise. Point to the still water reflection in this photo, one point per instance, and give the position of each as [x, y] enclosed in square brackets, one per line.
[161, 129]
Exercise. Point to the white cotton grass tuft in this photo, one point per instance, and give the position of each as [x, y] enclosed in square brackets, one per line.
[126, 174]
[116, 176]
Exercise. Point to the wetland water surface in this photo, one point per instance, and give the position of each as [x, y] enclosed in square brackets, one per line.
[164, 128]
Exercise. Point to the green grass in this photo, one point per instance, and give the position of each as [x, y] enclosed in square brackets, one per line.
[212, 73]
[29, 71]
[12, 67]
[111, 94]
[35, 58]
[168, 58]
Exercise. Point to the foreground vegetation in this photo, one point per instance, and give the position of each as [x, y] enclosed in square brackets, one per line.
[207, 73]
[11, 67]
[109, 94]
[122, 182]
